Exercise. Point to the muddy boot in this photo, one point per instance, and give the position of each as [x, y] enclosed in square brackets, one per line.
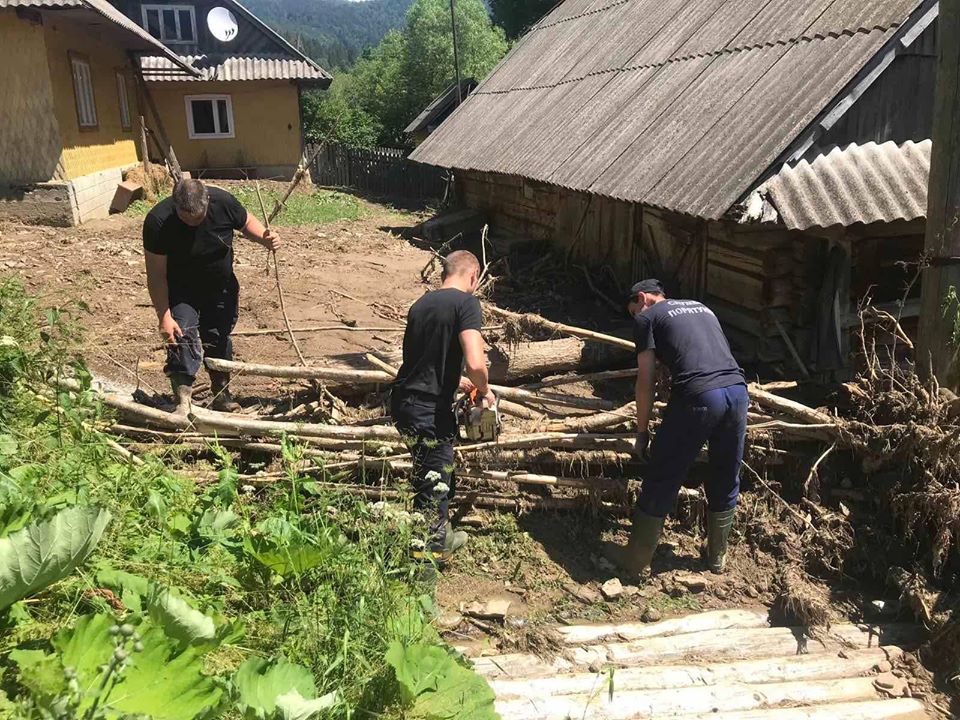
[182, 393]
[220, 390]
[719, 525]
[635, 558]
[453, 540]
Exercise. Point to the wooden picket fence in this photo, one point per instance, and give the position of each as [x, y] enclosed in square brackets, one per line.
[383, 172]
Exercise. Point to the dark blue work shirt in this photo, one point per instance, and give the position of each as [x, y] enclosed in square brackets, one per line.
[686, 336]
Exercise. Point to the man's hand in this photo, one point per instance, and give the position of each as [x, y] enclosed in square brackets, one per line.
[271, 240]
[169, 329]
[487, 400]
[641, 446]
[466, 387]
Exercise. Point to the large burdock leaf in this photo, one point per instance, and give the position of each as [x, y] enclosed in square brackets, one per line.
[434, 686]
[179, 619]
[43, 553]
[161, 681]
[278, 690]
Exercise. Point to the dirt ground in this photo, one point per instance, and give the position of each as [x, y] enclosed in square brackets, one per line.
[364, 272]
[358, 271]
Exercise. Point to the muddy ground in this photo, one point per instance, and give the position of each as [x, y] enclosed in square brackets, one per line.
[367, 272]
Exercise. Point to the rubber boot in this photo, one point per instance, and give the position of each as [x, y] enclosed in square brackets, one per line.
[220, 390]
[453, 540]
[719, 525]
[635, 558]
[182, 393]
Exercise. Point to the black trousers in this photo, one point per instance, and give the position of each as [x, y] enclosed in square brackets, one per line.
[429, 429]
[206, 316]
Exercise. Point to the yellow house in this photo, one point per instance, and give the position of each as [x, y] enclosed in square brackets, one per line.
[242, 116]
[68, 106]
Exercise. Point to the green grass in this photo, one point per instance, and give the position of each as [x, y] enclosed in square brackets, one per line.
[291, 571]
[319, 207]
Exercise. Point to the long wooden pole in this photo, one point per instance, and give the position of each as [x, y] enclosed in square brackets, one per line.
[937, 351]
[562, 328]
[165, 145]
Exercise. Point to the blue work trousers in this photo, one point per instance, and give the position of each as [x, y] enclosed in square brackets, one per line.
[717, 418]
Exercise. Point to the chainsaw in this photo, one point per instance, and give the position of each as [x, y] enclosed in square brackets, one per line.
[477, 423]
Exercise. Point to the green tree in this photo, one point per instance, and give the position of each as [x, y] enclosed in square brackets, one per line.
[430, 46]
[518, 16]
[390, 84]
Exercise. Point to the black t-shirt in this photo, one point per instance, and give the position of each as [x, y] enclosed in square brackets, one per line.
[686, 336]
[432, 355]
[197, 257]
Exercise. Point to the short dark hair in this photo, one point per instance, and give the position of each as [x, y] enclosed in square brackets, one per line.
[190, 197]
[651, 286]
[459, 262]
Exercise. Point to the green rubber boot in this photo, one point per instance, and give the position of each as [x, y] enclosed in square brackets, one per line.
[719, 525]
[644, 537]
[182, 386]
[453, 540]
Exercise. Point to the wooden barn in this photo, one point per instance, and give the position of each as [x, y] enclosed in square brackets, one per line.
[767, 156]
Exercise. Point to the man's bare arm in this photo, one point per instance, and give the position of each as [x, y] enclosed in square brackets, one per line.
[646, 367]
[475, 360]
[256, 231]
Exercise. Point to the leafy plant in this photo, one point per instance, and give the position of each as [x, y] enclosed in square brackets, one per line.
[43, 553]
[101, 670]
[278, 689]
[434, 686]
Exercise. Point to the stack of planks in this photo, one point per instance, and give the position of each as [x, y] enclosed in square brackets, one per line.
[722, 665]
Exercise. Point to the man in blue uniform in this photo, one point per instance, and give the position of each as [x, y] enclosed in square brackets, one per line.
[708, 405]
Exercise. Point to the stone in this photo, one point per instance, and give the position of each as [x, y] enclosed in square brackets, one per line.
[884, 666]
[583, 593]
[612, 589]
[630, 591]
[448, 621]
[495, 609]
[693, 582]
[651, 615]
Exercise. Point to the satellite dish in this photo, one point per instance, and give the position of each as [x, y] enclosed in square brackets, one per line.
[222, 24]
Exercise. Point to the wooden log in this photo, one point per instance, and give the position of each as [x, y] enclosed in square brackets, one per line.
[562, 328]
[659, 677]
[899, 709]
[600, 421]
[699, 622]
[512, 362]
[343, 375]
[522, 477]
[627, 704]
[129, 408]
[712, 646]
[240, 425]
[587, 377]
[790, 407]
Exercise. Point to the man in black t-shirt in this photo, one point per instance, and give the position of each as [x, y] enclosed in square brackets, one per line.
[188, 247]
[443, 331]
[708, 404]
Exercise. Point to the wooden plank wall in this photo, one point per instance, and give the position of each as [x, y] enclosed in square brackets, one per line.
[758, 279]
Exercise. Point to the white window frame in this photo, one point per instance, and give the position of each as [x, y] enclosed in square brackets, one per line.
[83, 92]
[123, 98]
[176, 18]
[188, 99]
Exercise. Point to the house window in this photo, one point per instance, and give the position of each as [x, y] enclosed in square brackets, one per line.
[170, 23]
[83, 91]
[209, 116]
[124, 101]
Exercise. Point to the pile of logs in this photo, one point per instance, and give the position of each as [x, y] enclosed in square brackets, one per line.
[562, 446]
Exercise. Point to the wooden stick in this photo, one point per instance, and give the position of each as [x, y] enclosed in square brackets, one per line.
[276, 267]
[563, 329]
[790, 407]
[317, 328]
[294, 181]
[776, 496]
[239, 425]
[345, 375]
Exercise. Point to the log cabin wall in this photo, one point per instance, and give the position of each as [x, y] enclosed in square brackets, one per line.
[763, 281]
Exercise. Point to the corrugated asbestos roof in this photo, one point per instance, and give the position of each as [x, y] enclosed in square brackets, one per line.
[673, 103]
[857, 184]
[105, 9]
[234, 67]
